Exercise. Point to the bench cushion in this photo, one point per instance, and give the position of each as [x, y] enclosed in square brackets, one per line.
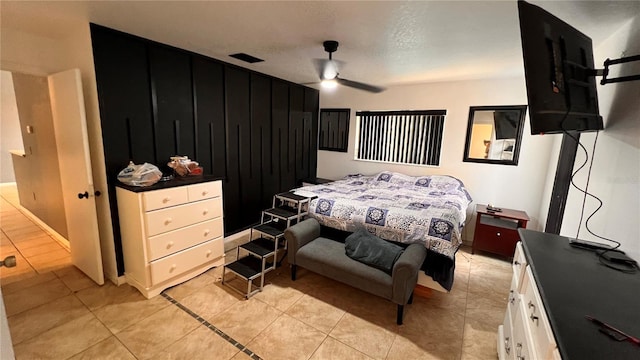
[327, 257]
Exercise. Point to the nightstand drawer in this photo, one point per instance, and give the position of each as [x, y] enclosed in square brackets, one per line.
[164, 220]
[176, 240]
[159, 199]
[496, 239]
[188, 259]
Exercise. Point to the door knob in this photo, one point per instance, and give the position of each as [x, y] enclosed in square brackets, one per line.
[86, 194]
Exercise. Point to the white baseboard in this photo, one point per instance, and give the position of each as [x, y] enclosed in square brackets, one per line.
[54, 234]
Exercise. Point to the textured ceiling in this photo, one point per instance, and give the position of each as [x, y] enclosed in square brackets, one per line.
[384, 43]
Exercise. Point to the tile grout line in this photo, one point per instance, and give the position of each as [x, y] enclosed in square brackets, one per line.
[466, 301]
[222, 334]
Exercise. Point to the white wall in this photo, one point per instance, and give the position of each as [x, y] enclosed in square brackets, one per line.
[615, 177]
[516, 187]
[32, 54]
[10, 135]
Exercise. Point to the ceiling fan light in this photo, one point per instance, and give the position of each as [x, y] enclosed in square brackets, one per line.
[330, 72]
[329, 83]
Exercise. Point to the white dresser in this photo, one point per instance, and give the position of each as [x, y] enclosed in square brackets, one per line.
[556, 289]
[525, 333]
[170, 235]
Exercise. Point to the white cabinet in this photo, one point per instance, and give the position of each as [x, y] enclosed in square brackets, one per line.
[170, 235]
[525, 333]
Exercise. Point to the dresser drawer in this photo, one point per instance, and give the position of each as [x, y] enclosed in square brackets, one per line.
[173, 265]
[519, 264]
[536, 318]
[204, 191]
[163, 220]
[176, 240]
[523, 348]
[159, 199]
[506, 342]
[514, 298]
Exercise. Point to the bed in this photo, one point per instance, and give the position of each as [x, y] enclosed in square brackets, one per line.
[430, 210]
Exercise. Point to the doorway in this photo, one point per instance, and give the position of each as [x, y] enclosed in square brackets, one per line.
[51, 171]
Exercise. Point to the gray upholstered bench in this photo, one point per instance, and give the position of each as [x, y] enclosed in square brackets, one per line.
[327, 257]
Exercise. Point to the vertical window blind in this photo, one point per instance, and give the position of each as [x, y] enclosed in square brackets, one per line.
[407, 137]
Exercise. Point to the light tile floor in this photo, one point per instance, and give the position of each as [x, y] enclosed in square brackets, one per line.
[55, 312]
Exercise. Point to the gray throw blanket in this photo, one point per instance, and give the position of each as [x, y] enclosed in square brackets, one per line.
[371, 250]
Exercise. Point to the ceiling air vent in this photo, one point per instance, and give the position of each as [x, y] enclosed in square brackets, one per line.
[246, 57]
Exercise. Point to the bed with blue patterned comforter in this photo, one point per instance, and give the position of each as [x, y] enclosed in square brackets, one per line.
[429, 210]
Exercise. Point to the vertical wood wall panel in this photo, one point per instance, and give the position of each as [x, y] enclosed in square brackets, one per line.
[280, 130]
[173, 104]
[261, 141]
[296, 122]
[238, 119]
[208, 91]
[256, 132]
[311, 105]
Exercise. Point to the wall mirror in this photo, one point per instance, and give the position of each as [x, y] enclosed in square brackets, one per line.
[494, 134]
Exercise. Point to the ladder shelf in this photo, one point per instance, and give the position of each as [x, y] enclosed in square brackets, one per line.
[261, 254]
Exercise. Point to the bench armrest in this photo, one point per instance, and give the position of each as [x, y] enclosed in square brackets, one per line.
[405, 272]
[299, 235]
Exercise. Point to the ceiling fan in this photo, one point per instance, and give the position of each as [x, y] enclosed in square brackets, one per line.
[328, 70]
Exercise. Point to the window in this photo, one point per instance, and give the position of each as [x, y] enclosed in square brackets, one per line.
[334, 129]
[406, 137]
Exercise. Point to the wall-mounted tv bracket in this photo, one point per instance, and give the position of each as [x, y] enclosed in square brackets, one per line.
[605, 72]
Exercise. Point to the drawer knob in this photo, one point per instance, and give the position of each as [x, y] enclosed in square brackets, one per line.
[531, 306]
[208, 253]
[205, 211]
[498, 234]
[173, 267]
[516, 263]
[168, 221]
[204, 193]
[166, 200]
[206, 232]
[169, 244]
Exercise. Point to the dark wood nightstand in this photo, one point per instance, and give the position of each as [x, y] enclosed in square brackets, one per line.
[497, 232]
[315, 181]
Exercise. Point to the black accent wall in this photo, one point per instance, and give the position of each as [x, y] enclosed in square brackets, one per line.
[256, 132]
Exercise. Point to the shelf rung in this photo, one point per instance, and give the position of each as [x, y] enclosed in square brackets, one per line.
[290, 196]
[284, 212]
[248, 268]
[271, 228]
[261, 247]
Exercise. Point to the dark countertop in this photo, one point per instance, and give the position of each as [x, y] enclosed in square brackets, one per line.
[572, 284]
[176, 181]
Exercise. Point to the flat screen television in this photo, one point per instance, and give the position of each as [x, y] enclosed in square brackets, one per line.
[559, 72]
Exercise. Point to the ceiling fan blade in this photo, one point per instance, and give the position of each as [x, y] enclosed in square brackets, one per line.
[360, 86]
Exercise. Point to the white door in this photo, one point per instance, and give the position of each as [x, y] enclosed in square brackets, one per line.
[70, 126]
